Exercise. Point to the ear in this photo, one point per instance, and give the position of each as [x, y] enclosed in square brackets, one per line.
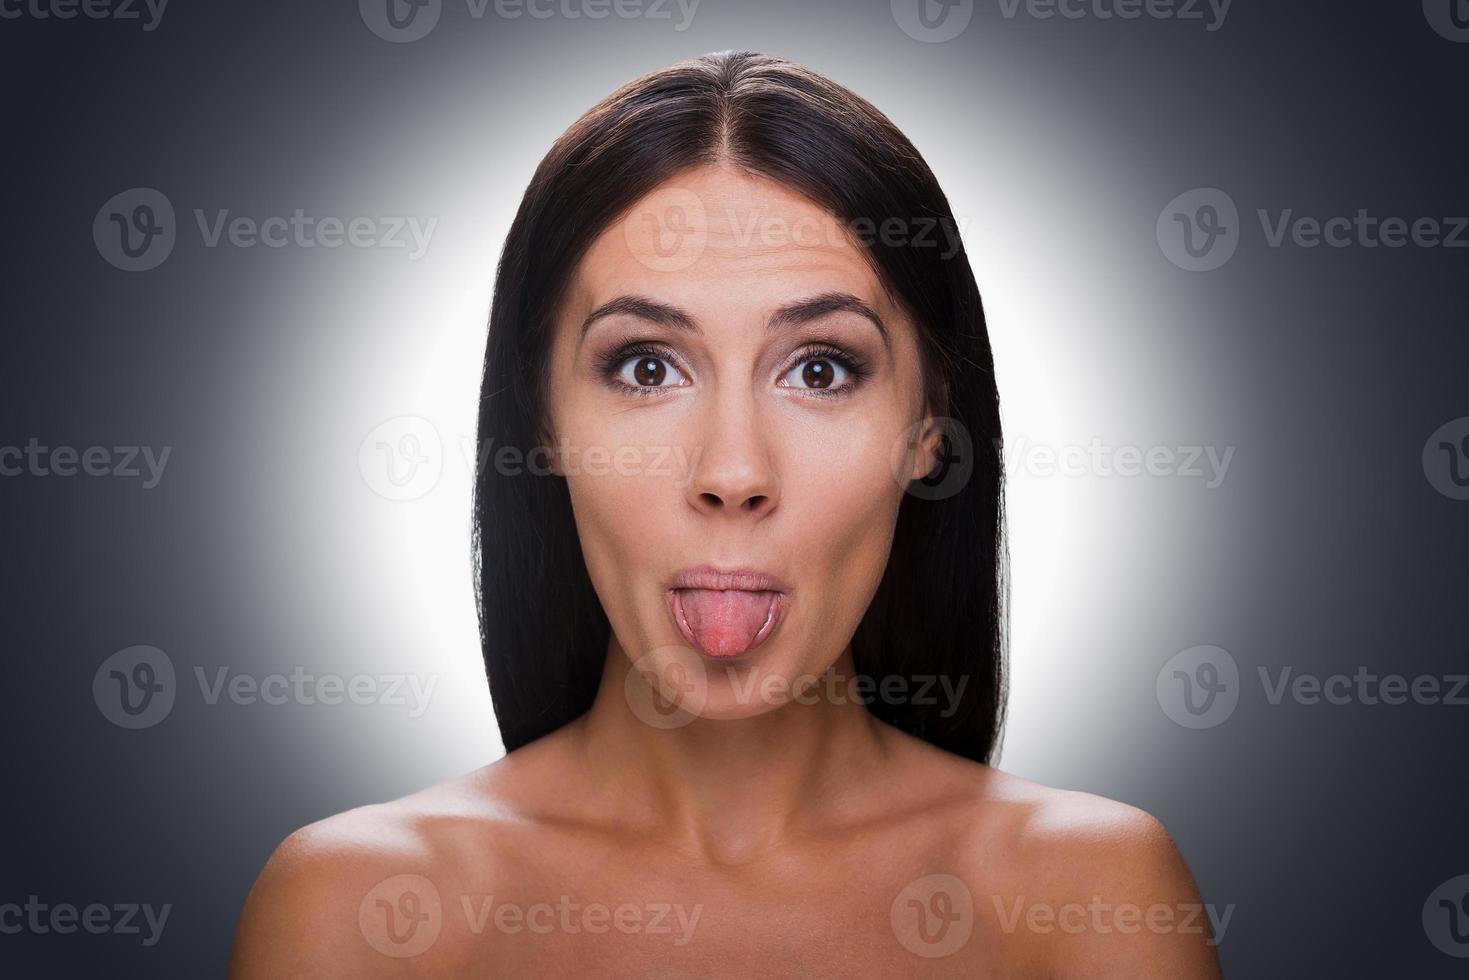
[546, 439]
[929, 433]
[928, 436]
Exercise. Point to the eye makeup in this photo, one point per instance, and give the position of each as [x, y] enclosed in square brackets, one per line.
[609, 364]
[856, 368]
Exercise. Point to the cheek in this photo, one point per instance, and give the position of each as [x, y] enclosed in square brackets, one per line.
[622, 538]
[842, 461]
[624, 472]
[842, 500]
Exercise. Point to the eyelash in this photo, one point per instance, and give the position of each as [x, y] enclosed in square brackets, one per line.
[855, 367]
[610, 363]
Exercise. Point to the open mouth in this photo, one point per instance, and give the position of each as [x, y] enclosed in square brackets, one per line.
[725, 622]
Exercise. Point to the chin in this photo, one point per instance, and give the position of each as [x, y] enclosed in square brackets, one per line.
[680, 682]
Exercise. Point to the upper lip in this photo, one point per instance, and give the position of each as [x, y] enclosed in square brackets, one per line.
[742, 579]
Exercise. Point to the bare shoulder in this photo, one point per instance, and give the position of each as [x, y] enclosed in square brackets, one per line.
[1041, 820]
[1074, 884]
[1091, 886]
[362, 893]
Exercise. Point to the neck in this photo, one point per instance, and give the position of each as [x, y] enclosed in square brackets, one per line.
[728, 791]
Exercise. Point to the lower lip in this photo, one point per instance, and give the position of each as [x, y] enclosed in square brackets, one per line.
[675, 609]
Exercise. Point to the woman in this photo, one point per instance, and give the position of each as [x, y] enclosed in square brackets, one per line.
[742, 610]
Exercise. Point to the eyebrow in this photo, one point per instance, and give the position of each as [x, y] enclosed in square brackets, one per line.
[791, 315]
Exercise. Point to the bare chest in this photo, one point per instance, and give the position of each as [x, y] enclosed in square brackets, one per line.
[885, 916]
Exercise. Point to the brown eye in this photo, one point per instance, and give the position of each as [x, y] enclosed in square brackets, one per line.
[819, 374]
[648, 371]
[816, 374]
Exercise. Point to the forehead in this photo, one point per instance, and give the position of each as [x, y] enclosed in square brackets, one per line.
[720, 242]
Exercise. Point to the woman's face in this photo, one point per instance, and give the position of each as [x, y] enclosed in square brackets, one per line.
[732, 390]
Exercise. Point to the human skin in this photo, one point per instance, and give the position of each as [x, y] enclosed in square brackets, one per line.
[797, 828]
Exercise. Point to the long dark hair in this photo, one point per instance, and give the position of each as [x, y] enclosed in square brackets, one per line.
[939, 611]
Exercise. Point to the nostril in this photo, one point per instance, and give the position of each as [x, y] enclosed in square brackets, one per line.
[713, 500]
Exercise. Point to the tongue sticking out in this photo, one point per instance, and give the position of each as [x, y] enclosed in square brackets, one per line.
[724, 623]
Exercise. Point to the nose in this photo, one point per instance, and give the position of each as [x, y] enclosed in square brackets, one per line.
[734, 473]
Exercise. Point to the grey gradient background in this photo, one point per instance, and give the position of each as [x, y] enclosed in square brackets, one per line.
[265, 547]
